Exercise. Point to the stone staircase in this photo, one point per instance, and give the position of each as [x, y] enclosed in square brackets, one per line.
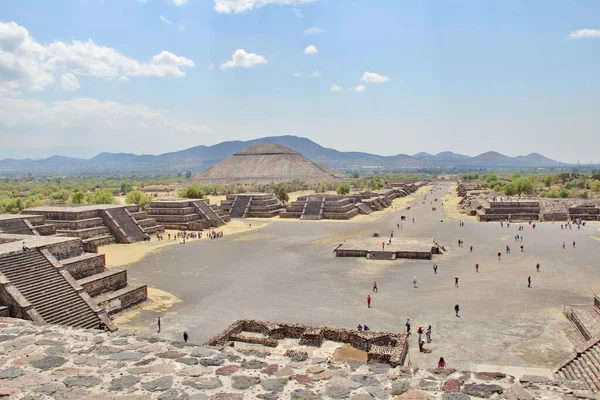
[209, 213]
[48, 290]
[313, 209]
[363, 208]
[238, 210]
[127, 223]
[584, 365]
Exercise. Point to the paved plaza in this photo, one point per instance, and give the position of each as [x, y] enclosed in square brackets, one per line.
[287, 271]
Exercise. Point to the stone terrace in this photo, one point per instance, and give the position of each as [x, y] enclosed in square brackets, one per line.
[186, 214]
[70, 364]
[255, 205]
[26, 225]
[100, 224]
[40, 282]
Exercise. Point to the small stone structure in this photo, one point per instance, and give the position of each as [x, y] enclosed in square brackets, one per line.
[329, 206]
[419, 249]
[381, 347]
[187, 214]
[251, 205]
[56, 281]
[100, 224]
[26, 225]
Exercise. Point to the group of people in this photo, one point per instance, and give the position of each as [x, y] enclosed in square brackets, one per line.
[363, 327]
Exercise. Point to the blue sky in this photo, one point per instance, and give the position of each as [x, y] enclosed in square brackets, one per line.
[84, 76]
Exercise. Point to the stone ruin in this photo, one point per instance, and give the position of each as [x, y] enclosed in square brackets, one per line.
[401, 248]
[187, 214]
[328, 206]
[381, 347]
[57, 281]
[26, 225]
[251, 205]
[97, 225]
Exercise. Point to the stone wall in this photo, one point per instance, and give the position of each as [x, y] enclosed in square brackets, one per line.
[102, 283]
[86, 267]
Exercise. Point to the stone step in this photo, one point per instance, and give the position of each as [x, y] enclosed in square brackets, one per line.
[109, 280]
[85, 233]
[123, 298]
[84, 265]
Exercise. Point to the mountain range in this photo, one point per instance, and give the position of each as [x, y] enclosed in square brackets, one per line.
[201, 157]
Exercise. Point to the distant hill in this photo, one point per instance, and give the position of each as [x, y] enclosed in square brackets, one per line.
[199, 158]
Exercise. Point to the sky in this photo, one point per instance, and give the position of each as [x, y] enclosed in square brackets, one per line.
[389, 77]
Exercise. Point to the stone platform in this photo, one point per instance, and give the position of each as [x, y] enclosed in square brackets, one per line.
[400, 248]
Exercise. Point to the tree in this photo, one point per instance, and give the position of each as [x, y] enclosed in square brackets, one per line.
[126, 187]
[102, 196]
[138, 197]
[77, 198]
[523, 185]
[355, 174]
[193, 191]
[61, 195]
[281, 192]
[188, 174]
[343, 188]
[564, 193]
[510, 189]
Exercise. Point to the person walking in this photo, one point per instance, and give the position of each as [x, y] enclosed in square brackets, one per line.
[369, 301]
[456, 281]
[428, 334]
[185, 336]
[537, 267]
[456, 309]
[529, 281]
[415, 282]
[375, 289]
[435, 268]
[573, 244]
[564, 245]
[499, 255]
[158, 323]
[471, 248]
[420, 334]
[476, 267]
[407, 326]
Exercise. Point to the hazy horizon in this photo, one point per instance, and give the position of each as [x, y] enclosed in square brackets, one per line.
[155, 76]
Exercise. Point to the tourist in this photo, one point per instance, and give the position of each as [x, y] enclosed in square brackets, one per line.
[185, 336]
[359, 327]
[428, 334]
[158, 323]
[420, 334]
[529, 281]
[507, 249]
[415, 282]
[24, 247]
[435, 268]
[456, 309]
[441, 363]
[573, 244]
[366, 328]
[407, 326]
[382, 246]
[564, 245]
[375, 289]
[476, 267]
[471, 248]
[522, 249]
[369, 301]
[537, 267]
[456, 281]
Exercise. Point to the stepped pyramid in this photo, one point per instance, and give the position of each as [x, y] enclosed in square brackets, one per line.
[266, 163]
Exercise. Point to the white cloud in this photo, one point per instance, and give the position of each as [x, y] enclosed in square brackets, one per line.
[178, 3]
[242, 59]
[38, 124]
[358, 89]
[165, 20]
[69, 82]
[585, 33]
[313, 31]
[297, 12]
[239, 6]
[316, 74]
[336, 88]
[28, 66]
[296, 74]
[311, 50]
[372, 77]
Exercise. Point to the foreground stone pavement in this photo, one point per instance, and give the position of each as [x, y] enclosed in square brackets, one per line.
[43, 362]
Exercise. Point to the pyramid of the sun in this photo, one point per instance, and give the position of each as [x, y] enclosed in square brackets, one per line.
[267, 163]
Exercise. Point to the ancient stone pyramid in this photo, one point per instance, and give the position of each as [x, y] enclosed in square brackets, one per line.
[267, 163]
